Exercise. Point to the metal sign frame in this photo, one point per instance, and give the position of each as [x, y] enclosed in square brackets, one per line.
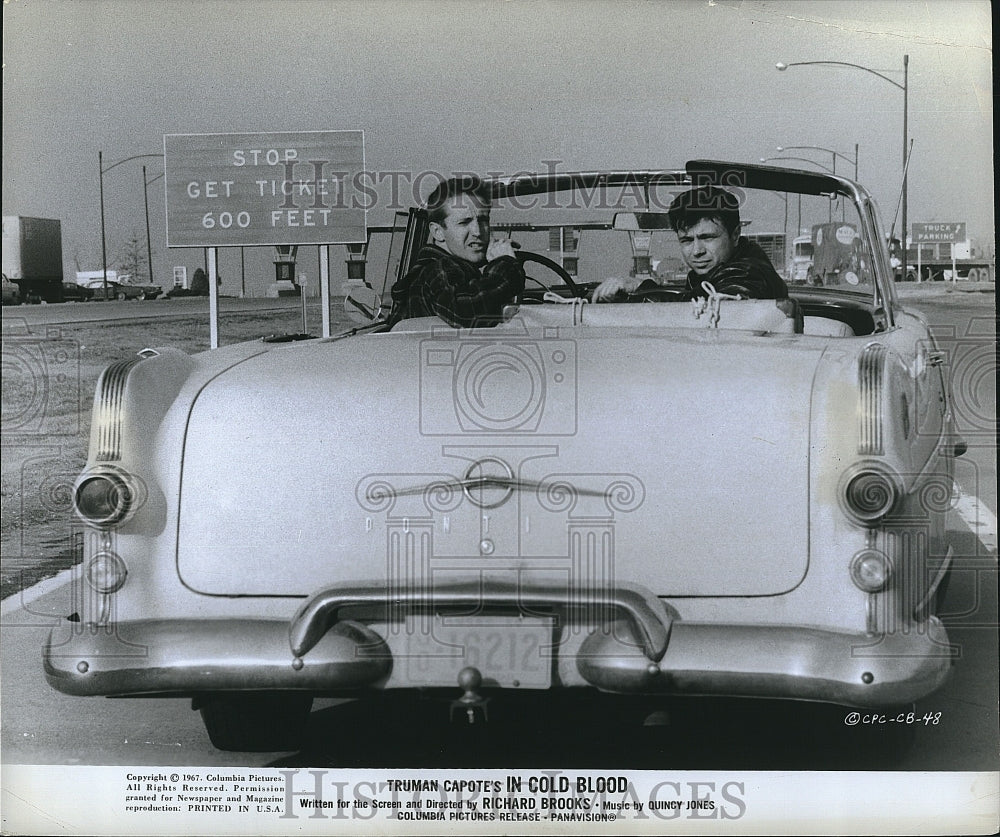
[261, 189]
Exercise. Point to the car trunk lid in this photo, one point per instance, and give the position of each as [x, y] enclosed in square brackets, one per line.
[680, 464]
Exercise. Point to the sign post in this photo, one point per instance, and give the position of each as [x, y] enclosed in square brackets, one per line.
[247, 190]
[324, 287]
[303, 281]
[213, 297]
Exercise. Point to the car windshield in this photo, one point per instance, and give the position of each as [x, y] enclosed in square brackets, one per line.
[811, 240]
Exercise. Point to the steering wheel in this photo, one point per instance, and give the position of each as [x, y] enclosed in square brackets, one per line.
[527, 256]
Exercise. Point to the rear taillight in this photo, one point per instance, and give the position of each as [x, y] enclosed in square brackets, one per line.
[869, 493]
[106, 572]
[870, 570]
[106, 497]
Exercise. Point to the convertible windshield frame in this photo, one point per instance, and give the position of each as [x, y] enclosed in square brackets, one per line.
[697, 172]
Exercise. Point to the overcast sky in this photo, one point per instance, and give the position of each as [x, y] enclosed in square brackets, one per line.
[499, 86]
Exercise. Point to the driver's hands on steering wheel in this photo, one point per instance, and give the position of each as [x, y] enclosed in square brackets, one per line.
[614, 285]
[500, 247]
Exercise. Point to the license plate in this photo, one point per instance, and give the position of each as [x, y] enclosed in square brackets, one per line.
[509, 651]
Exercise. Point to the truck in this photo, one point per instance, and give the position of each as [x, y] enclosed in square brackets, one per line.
[933, 262]
[833, 253]
[32, 257]
[800, 263]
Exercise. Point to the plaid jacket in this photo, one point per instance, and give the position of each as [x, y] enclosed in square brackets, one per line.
[455, 290]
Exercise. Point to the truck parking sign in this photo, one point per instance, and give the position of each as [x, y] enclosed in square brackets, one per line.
[938, 233]
[233, 190]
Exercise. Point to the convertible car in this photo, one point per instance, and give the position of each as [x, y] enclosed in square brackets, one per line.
[653, 496]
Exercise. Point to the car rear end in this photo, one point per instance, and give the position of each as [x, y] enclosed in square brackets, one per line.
[597, 510]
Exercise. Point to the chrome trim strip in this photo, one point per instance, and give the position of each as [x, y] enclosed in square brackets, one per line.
[870, 385]
[108, 409]
[644, 611]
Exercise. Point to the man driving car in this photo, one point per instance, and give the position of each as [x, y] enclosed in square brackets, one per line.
[707, 222]
[461, 275]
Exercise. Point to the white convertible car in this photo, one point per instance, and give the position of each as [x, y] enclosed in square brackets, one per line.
[733, 497]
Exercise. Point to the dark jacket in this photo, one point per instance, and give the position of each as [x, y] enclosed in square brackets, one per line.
[748, 273]
[455, 290]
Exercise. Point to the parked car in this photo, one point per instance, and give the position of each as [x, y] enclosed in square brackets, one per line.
[731, 497]
[119, 291]
[11, 292]
[72, 292]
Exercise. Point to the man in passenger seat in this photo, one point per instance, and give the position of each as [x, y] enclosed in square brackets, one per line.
[707, 222]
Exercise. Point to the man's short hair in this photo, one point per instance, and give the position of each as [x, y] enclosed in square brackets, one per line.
[446, 190]
[688, 208]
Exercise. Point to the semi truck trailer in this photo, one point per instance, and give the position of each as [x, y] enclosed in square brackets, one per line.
[32, 257]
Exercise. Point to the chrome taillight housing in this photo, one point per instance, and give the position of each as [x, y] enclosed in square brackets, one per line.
[869, 493]
[107, 496]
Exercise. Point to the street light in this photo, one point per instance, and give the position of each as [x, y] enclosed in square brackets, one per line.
[905, 88]
[834, 154]
[102, 171]
[813, 162]
[801, 160]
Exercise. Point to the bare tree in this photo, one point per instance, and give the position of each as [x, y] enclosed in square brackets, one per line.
[132, 259]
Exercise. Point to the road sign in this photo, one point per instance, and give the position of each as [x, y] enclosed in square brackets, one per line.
[938, 233]
[234, 190]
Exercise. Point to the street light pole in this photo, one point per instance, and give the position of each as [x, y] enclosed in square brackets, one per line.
[905, 87]
[103, 171]
[104, 246]
[149, 246]
[145, 198]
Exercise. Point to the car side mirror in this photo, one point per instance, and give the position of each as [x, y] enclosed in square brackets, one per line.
[362, 305]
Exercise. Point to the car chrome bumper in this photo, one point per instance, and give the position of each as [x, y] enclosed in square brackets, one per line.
[779, 662]
[641, 648]
[189, 656]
